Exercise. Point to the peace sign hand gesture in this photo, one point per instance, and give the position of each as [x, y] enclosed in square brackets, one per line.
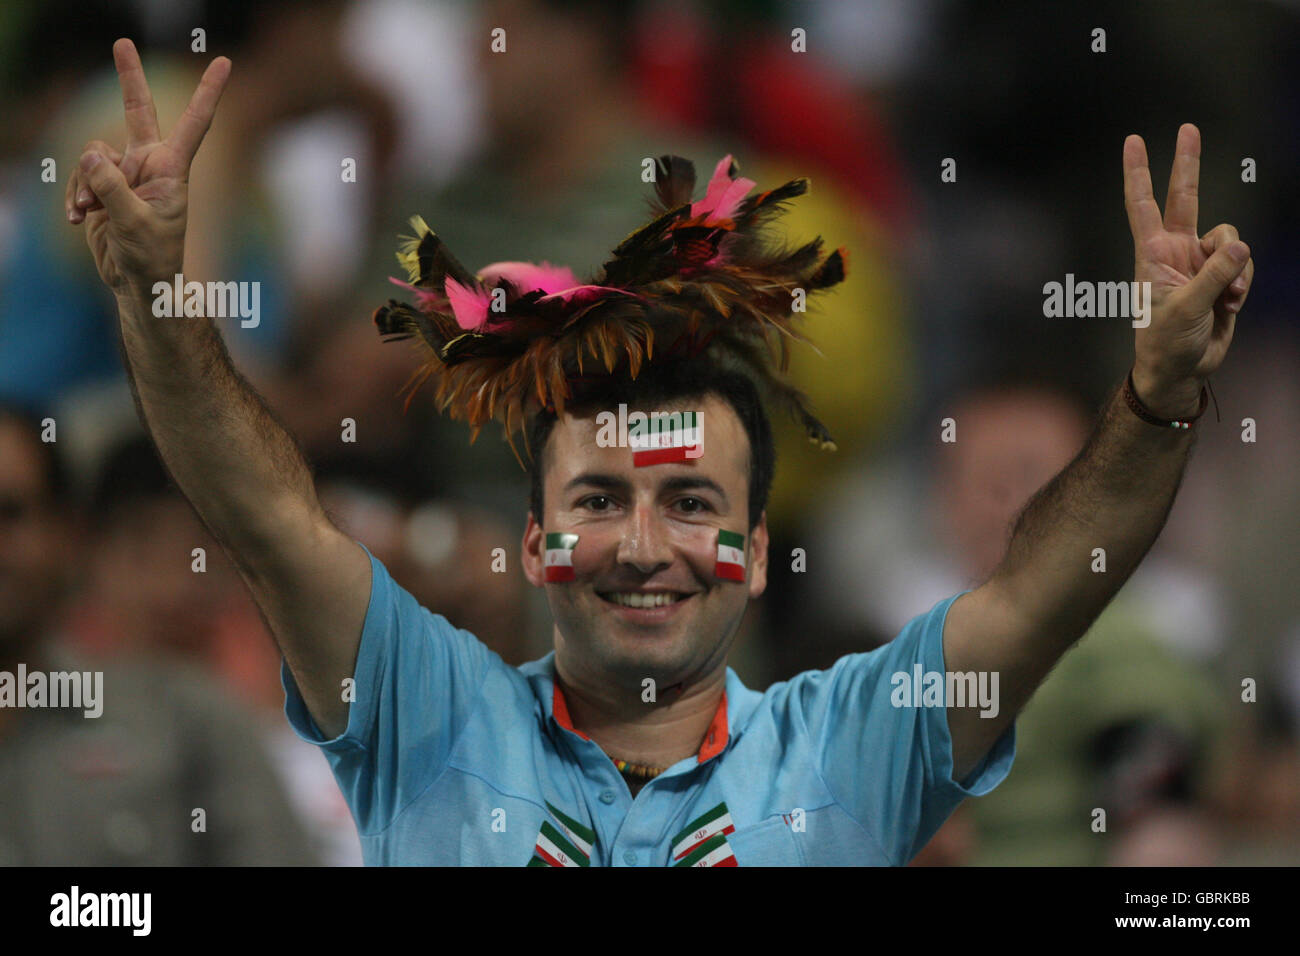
[134, 203]
[1198, 283]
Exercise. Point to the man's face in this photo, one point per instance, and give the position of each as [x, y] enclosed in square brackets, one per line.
[34, 545]
[647, 530]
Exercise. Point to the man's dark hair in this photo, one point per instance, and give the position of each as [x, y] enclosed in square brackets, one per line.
[654, 389]
[54, 470]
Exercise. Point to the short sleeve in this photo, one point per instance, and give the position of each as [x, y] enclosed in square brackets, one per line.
[418, 680]
[885, 756]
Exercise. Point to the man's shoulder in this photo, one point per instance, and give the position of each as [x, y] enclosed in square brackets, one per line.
[919, 640]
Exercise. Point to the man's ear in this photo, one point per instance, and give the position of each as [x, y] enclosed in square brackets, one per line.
[531, 553]
[758, 557]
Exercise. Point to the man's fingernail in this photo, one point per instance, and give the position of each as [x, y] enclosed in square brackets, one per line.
[83, 197]
[1238, 251]
[90, 161]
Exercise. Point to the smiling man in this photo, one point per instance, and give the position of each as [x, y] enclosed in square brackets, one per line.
[643, 632]
[633, 744]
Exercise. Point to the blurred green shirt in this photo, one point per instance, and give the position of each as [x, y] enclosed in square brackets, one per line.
[1042, 814]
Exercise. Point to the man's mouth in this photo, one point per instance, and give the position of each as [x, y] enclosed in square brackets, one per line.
[643, 599]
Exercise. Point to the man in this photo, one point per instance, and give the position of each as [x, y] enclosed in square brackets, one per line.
[448, 756]
[152, 766]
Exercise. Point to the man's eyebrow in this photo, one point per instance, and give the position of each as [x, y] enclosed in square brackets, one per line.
[597, 480]
[687, 482]
[675, 483]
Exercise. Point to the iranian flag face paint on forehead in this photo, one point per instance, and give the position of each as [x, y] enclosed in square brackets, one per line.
[559, 557]
[663, 438]
[731, 556]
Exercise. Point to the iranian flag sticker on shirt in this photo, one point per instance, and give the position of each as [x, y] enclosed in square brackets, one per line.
[731, 556]
[703, 842]
[559, 556]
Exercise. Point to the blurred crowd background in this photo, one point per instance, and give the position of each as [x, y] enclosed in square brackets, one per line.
[535, 154]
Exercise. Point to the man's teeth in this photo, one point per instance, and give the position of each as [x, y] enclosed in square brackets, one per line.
[633, 599]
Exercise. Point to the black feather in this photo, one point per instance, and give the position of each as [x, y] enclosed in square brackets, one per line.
[832, 271]
[437, 262]
[674, 181]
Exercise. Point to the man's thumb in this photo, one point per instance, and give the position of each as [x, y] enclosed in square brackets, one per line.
[110, 187]
[1219, 270]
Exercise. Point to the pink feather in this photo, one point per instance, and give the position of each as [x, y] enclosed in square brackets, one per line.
[527, 276]
[427, 300]
[584, 294]
[470, 306]
[724, 194]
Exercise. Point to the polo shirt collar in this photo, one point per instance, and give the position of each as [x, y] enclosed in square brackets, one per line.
[715, 740]
[722, 729]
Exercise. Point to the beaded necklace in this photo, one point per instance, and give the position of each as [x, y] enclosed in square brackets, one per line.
[637, 770]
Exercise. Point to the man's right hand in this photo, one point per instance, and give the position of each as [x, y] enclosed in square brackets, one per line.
[134, 203]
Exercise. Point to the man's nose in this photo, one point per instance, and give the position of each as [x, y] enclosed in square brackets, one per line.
[645, 540]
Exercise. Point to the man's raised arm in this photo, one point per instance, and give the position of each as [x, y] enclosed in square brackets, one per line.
[1117, 492]
[237, 465]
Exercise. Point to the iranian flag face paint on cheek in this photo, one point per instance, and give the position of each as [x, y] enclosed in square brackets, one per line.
[559, 557]
[730, 565]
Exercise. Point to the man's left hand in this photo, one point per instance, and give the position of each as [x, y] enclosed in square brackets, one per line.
[1198, 283]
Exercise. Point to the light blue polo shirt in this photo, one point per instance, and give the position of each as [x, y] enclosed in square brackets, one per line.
[453, 757]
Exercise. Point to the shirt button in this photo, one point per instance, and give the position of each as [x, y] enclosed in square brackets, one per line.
[629, 857]
[607, 796]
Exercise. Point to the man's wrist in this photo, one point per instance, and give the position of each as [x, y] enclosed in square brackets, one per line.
[139, 295]
[1177, 400]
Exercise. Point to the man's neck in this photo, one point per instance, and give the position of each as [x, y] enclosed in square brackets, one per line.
[652, 734]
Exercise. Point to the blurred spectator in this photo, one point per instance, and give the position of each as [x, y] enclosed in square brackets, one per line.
[126, 787]
[142, 594]
[444, 553]
[150, 593]
[1121, 724]
[57, 322]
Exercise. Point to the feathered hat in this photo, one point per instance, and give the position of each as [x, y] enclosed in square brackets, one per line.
[700, 278]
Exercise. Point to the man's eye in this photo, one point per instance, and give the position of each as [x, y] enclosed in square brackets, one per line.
[591, 502]
[702, 505]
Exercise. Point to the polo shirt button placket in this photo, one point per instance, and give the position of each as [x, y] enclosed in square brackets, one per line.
[629, 857]
[607, 796]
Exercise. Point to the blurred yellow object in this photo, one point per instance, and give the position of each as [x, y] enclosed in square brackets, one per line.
[861, 380]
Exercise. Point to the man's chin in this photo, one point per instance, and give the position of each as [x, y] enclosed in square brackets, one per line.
[635, 653]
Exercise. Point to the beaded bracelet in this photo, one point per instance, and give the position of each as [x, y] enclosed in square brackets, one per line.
[1141, 411]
